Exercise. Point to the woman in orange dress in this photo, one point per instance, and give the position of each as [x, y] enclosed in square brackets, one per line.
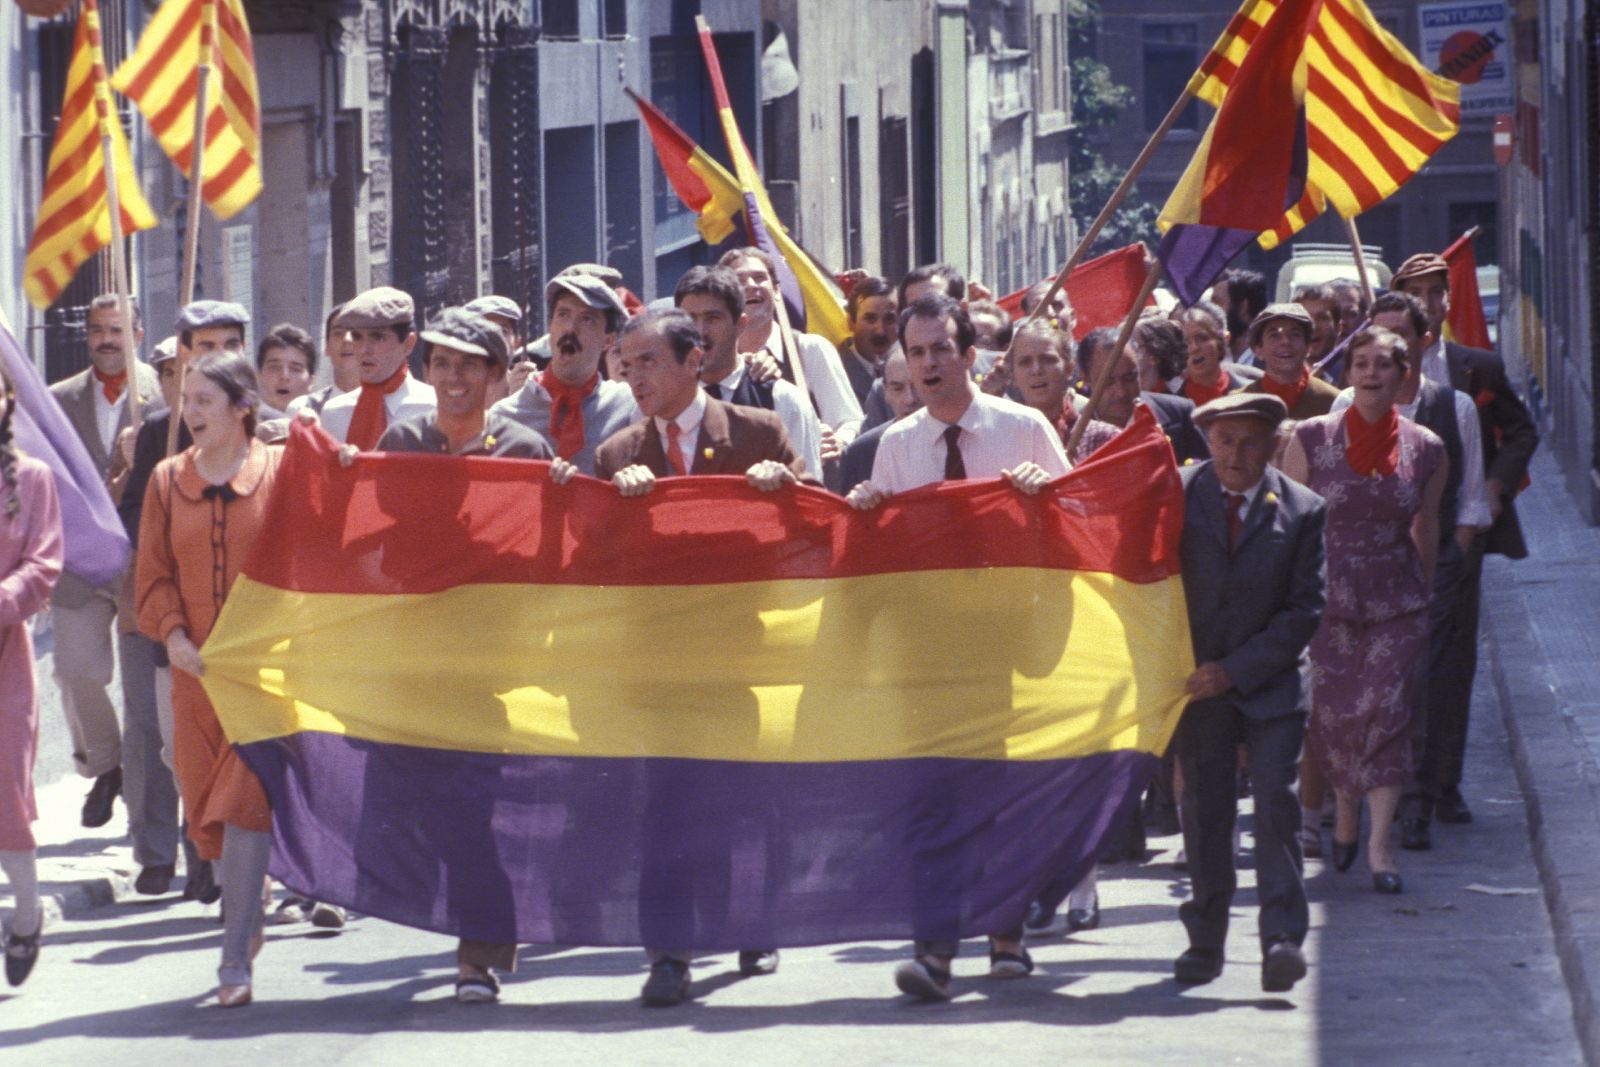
[202, 513]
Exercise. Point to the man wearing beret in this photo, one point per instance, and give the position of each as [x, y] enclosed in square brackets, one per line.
[1509, 439]
[570, 402]
[1253, 577]
[1281, 338]
[378, 323]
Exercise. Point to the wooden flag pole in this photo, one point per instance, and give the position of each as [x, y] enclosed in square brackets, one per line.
[191, 229]
[1361, 262]
[1103, 374]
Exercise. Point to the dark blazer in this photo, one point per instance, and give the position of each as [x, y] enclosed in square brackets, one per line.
[1508, 432]
[732, 440]
[149, 449]
[1254, 610]
[855, 466]
[1174, 414]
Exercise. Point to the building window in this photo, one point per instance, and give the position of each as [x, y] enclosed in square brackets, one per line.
[853, 251]
[1171, 55]
[561, 20]
[615, 18]
[1051, 91]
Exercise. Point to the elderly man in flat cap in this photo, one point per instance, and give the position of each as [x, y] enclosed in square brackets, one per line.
[1281, 339]
[570, 402]
[378, 323]
[1253, 576]
[1509, 438]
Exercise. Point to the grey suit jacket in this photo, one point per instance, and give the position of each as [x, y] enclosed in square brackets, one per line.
[1254, 610]
[76, 397]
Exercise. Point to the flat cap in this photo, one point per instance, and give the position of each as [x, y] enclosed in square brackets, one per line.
[1278, 311]
[610, 275]
[1263, 406]
[1418, 265]
[586, 287]
[376, 308]
[202, 313]
[503, 306]
[464, 331]
[164, 351]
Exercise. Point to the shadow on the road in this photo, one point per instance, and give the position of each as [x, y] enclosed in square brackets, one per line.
[79, 848]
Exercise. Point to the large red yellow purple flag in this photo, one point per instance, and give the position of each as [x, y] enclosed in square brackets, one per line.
[502, 709]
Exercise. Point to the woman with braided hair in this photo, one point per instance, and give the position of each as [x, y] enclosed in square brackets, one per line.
[30, 562]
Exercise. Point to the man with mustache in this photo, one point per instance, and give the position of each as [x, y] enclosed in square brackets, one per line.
[570, 402]
[96, 403]
[873, 332]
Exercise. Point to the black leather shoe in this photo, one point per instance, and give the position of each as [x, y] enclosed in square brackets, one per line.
[102, 795]
[1451, 808]
[202, 885]
[1415, 836]
[1388, 882]
[926, 978]
[758, 961]
[1282, 965]
[667, 985]
[1198, 966]
[1038, 919]
[1345, 854]
[155, 880]
[21, 954]
[1083, 918]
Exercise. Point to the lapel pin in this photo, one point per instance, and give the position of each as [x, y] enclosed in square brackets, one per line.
[1272, 498]
[707, 453]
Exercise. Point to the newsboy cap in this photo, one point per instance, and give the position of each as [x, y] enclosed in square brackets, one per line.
[1293, 312]
[503, 306]
[376, 308]
[163, 351]
[1263, 406]
[1418, 265]
[202, 313]
[464, 331]
[586, 287]
[610, 275]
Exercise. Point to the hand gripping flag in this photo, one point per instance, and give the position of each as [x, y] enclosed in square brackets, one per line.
[487, 705]
[1374, 114]
[74, 219]
[162, 78]
[1251, 163]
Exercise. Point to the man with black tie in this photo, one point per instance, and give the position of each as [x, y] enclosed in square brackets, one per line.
[1253, 577]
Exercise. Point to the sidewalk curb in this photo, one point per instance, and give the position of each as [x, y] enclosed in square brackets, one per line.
[70, 899]
[1558, 785]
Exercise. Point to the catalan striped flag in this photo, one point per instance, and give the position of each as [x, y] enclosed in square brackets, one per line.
[703, 184]
[74, 220]
[1375, 115]
[807, 289]
[1251, 162]
[162, 78]
[494, 707]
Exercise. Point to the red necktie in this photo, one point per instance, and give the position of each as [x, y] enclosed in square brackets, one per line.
[1235, 504]
[371, 417]
[566, 411]
[112, 384]
[674, 453]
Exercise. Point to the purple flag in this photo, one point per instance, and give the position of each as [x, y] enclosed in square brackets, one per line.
[97, 549]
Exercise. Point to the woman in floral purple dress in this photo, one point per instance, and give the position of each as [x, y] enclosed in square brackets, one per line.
[1383, 476]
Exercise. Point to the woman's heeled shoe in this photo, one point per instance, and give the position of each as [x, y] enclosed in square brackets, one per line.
[1388, 882]
[1345, 853]
[233, 996]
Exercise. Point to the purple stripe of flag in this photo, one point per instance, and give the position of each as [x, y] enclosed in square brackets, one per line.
[1194, 255]
[788, 285]
[97, 549]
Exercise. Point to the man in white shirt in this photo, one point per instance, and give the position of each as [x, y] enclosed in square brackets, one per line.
[824, 374]
[379, 325]
[959, 434]
[1452, 415]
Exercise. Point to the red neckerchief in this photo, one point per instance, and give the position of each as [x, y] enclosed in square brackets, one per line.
[1202, 394]
[111, 384]
[566, 411]
[1372, 448]
[1289, 394]
[372, 414]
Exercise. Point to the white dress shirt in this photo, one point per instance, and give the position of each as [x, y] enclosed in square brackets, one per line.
[1435, 365]
[106, 414]
[688, 421]
[1472, 500]
[827, 381]
[996, 435]
[794, 408]
[412, 398]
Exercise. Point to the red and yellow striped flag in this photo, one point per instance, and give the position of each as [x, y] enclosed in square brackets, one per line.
[74, 220]
[162, 78]
[1374, 115]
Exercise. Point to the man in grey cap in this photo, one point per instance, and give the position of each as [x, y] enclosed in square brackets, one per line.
[1280, 337]
[466, 357]
[569, 402]
[504, 313]
[378, 323]
[1253, 574]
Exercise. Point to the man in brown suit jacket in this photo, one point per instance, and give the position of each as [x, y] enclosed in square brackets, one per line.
[96, 403]
[1281, 339]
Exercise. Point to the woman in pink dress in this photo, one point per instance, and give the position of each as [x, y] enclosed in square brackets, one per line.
[1382, 476]
[30, 562]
